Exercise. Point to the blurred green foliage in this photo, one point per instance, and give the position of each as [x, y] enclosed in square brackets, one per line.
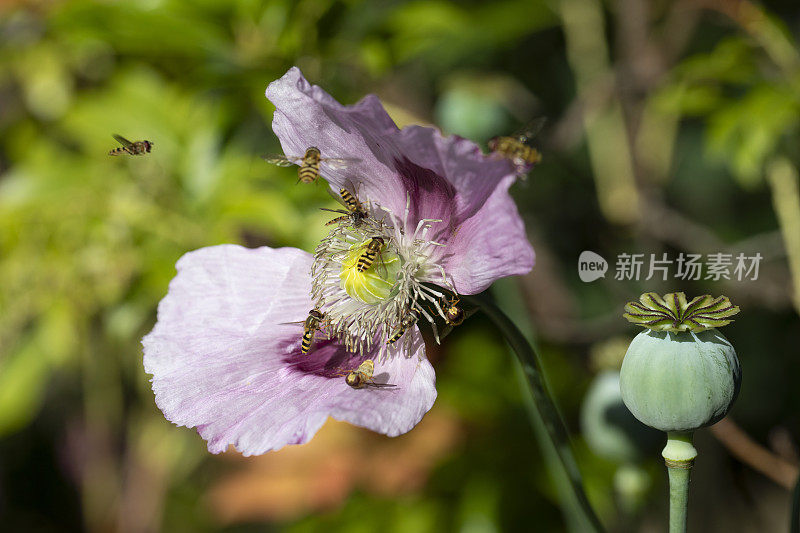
[88, 242]
[750, 106]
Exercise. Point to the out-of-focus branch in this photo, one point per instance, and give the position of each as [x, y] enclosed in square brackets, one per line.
[676, 229]
[753, 454]
[643, 61]
[552, 308]
[605, 129]
[769, 244]
[678, 28]
[782, 179]
[752, 19]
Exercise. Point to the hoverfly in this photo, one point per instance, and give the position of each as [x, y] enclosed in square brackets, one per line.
[309, 163]
[453, 314]
[362, 376]
[516, 149]
[311, 325]
[371, 251]
[355, 212]
[409, 320]
[132, 148]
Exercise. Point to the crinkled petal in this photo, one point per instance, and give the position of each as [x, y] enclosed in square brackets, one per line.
[489, 245]
[224, 360]
[305, 116]
[445, 178]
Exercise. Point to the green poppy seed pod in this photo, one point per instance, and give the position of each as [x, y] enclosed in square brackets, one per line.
[680, 373]
[680, 381]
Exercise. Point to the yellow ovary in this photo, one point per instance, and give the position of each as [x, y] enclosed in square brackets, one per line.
[373, 284]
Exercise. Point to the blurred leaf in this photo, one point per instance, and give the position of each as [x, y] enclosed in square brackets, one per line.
[480, 105]
[176, 28]
[744, 133]
[445, 32]
[23, 377]
[684, 99]
[731, 61]
[46, 84]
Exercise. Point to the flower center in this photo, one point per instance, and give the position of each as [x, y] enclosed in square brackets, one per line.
[369, 280]
[373, 283]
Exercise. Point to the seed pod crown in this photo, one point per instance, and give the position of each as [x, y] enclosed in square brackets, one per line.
[673, 312]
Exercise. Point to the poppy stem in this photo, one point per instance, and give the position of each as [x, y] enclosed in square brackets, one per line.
[542, 400]
[679, 455]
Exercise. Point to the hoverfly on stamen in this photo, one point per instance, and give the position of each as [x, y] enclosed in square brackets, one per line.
[365, 258]
[409, 320]
[355, 212]
[453, 314]
[370, 253]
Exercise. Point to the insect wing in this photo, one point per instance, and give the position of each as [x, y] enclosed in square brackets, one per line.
[298, 322]
[374, 385]
[336, 163]
[123, 141]
[342, 211]
[530, 130]
[281, 160]
[339, 199]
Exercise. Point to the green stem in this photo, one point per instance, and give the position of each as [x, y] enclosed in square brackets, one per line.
[543, 403]
[679, 454]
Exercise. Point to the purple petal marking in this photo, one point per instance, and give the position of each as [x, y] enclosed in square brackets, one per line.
[430, 196]
[223, 361]
[471, 175]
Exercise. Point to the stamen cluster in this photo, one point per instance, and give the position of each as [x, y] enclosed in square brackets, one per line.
[386, 299]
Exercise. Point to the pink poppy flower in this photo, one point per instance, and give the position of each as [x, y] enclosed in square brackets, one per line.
[226, 355]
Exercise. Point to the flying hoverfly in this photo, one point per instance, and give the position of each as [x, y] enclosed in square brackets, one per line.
[355, 212]
[309, 163]
[362, 377]
[132, 148]
[409, 320]
[516, 149]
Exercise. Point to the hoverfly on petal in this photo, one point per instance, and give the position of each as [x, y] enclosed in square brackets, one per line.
[309, 163]
[311, 325]
[363, 377]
